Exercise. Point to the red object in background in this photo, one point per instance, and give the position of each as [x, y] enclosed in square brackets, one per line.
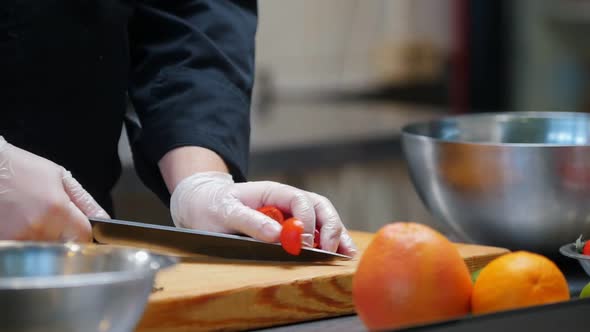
[273, 212]
[586, 250]
[291, 236]
[459, 90]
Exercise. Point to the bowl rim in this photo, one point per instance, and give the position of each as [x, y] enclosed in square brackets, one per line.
[405, 130]
[568, 251]
[81, 279]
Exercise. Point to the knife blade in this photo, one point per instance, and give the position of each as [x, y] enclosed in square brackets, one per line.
[184, 242]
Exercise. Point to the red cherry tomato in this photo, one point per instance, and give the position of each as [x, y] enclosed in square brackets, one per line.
[272, 212]
[291, 236]
[586, 250]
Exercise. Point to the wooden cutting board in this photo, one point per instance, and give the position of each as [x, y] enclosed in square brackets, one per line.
[212, 294]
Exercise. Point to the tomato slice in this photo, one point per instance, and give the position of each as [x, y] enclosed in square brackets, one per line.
[586, 250]
[273, 212]
[291, 236]
[290, 231]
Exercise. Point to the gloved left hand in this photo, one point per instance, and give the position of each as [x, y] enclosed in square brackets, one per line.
[211, 201]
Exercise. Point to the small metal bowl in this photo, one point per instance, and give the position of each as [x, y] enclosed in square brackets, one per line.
[569, 250]
[74, 287]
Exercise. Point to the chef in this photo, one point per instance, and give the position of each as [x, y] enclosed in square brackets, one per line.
[67, 70]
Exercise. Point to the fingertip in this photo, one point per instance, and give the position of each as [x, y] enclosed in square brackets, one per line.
[261, 227]
[347, 246]
[77, 228]
[330, 244]
[270, 231]
[307, 240]
[76, 234]
[348, 251]
[303, 209]
[330, 236]
[101, 214]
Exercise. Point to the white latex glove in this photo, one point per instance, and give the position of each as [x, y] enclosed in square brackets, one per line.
[211, 201]
[40, 200]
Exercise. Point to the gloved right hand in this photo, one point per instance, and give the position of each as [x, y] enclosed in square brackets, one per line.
[40, 200]
[211, 201]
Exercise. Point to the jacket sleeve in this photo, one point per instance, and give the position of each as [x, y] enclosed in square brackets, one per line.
[191, 78]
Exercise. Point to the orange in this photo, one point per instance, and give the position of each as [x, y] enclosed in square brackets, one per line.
[410, 274]
[516, 280]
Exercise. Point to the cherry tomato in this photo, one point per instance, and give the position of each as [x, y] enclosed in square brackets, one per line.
[291, 236]
[272, 212]
[586, 250]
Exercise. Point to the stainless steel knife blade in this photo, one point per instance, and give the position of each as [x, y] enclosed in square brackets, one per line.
[189, 242]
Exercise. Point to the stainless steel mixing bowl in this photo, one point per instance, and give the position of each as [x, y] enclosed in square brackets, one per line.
[46, 287]
[519, 180]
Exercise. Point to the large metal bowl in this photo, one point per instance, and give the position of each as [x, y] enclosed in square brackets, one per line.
[519, 180]
[73, 287]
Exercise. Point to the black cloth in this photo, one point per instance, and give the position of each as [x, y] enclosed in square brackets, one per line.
[69, 67]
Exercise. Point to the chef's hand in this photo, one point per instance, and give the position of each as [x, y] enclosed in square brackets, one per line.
[211, 201]
[40, 200]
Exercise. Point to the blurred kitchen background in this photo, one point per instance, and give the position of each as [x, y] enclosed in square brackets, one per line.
[337, 79]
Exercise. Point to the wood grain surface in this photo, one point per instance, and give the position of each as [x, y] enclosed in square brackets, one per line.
[225, 295]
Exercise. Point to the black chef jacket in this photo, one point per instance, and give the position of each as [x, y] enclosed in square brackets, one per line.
[68, 68]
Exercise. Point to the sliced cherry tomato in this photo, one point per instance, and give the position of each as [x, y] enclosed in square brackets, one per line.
[316, 238]
[273, 212]
[586, 250]
[291, 236]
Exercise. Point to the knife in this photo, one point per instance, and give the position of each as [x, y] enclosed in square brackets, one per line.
[188, 243]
